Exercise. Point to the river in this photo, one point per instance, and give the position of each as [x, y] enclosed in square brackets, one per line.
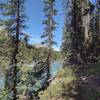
[2, 80]
[54, 68]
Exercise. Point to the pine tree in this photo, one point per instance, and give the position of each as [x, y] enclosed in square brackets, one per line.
[73, 36]
[88, 34]
[13, 11]
[50, 26]
[77, 32]
[97, 16]
[96, 31]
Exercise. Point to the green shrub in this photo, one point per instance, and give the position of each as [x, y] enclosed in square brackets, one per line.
[94, 70]
[5, 95]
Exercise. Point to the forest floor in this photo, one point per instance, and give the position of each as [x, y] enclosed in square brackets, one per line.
[88, 83]
[81, 84]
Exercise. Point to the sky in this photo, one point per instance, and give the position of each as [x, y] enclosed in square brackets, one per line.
[35, 14]
[34, 11]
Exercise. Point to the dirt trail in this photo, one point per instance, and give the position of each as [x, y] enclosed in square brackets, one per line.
[87, 86]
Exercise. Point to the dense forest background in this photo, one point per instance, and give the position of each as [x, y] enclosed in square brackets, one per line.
[26, 68]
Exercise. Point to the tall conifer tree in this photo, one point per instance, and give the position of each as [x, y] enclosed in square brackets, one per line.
[72, 34]
[77, 35]
[50, 26]
[13, 11]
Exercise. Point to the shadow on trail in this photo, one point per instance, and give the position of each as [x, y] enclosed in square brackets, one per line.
[87, 85]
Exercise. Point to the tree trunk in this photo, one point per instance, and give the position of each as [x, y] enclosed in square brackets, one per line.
[48, 65]
[15, 53]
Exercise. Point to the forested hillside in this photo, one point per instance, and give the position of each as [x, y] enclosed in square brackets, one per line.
[27, 54]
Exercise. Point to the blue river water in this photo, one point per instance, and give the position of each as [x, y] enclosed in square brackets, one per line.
[2, 81]
[54, 68]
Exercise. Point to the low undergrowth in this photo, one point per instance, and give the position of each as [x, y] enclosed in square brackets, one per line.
[61, 87]
[94, 69]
